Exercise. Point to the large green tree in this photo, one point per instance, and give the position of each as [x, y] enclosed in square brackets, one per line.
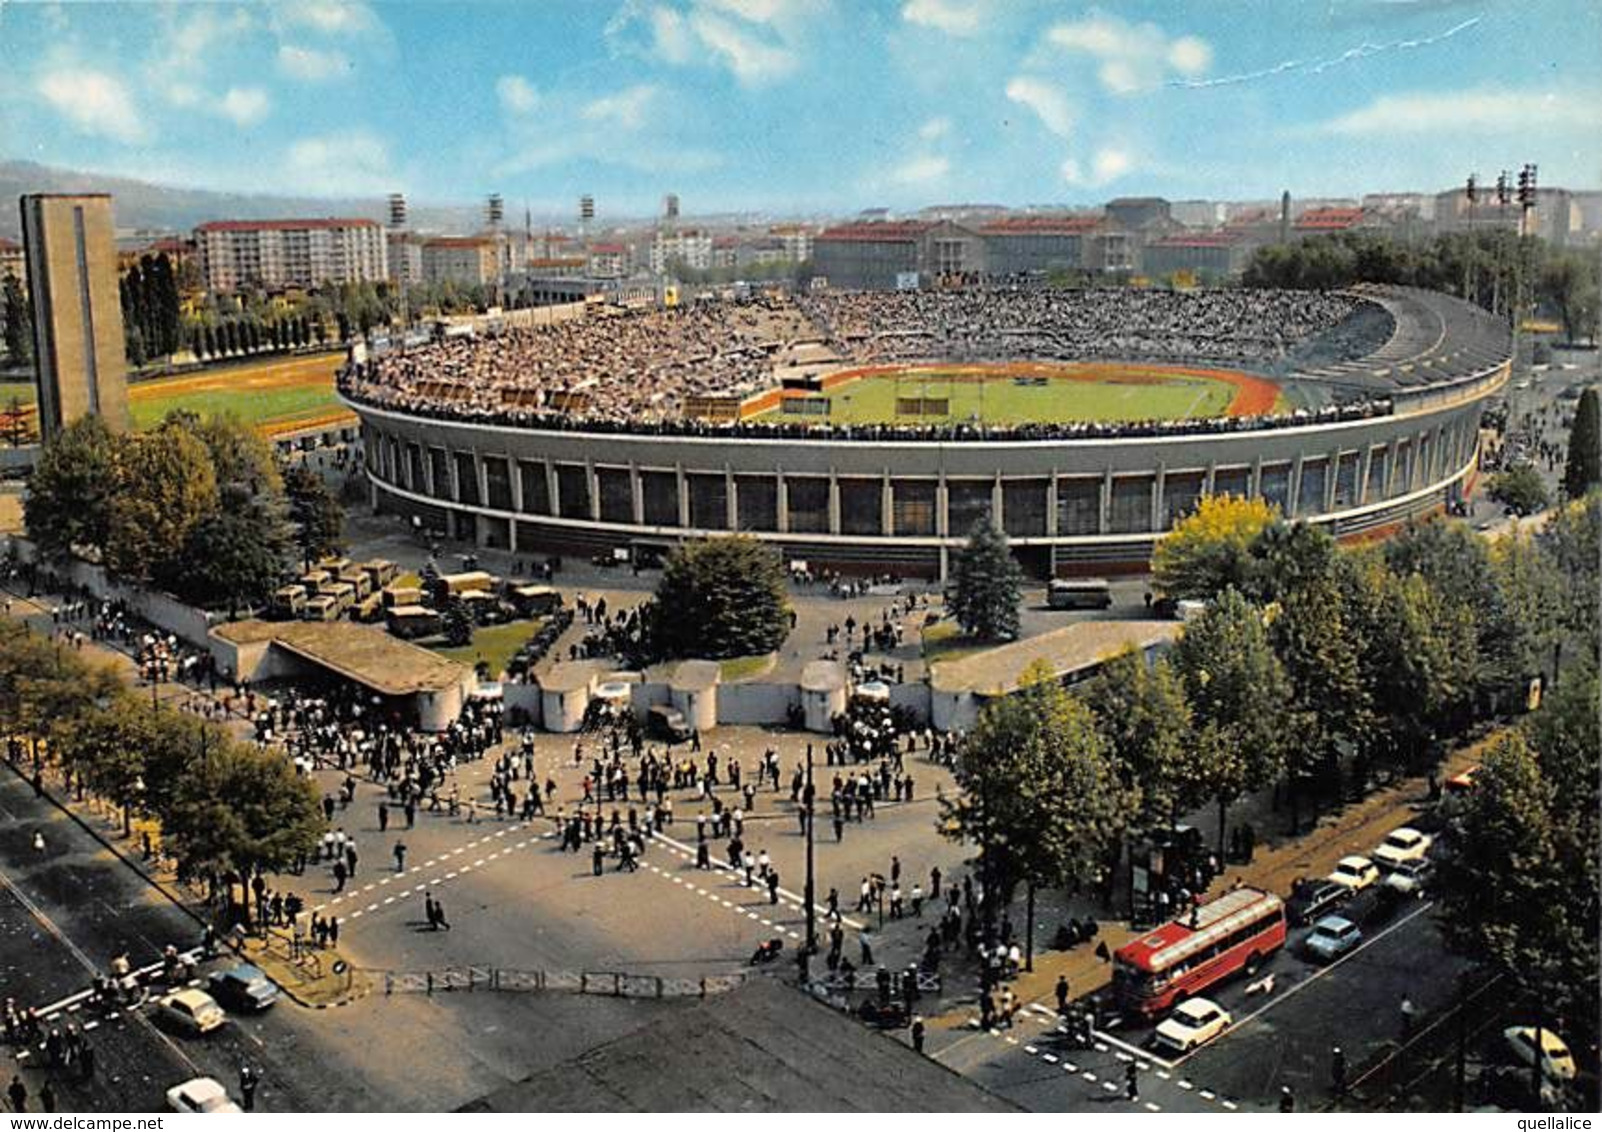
[720, 597]
[236, 556]
[985, 584]
[1521, 488]
[1040, 795]
[315, 514]
[71, 495]
[166, 489]
[1582, 469]
[1238, 695]
[1145, 720]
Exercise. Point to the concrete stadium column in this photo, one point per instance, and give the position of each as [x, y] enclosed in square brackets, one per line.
[481, 473]
[1104, 503]
[636, 494]
[782, 502]
[683, 493]
[998, 500]
[1332, 480]
[834, 502]
[1254, 485]
[514, 472]
[945, 563]
[1364, 466]
[592, 484]
[1210, 477]
[1293, 499]
[1159, 481]
[1052, 527]
[731, 499]
[942, 505]
[887, 503]
[453, 475]
[553, 487]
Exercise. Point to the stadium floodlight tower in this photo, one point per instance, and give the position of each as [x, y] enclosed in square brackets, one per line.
[397, 229]
[586, 215]
[494, 221]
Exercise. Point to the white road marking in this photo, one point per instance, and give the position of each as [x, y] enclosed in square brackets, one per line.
[1109, 1086]
[1153, 1107]
[1089, 1076]
[1184, 1084]
[1049, 1058]
[1070, 1067]
[1207, 1095]
[1231, 1105]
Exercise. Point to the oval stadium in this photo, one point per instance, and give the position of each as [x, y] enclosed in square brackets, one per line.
[869, 431]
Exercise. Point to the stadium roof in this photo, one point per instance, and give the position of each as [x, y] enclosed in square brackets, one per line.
[1071, 649]
[285, 225]
[1040, 225]
[885, 231]
[763, 1047]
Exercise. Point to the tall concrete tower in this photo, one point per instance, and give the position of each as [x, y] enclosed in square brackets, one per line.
[77, 314]
[1284, 218]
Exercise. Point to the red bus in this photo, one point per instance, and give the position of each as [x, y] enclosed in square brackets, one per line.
[1184, 957]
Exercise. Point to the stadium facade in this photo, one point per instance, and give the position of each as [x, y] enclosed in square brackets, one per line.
[1095, 504]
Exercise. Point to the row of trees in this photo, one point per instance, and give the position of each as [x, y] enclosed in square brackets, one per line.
[199, 508]
[227, 809]
[1308, 660]
[1490, 268]
[250, 335]
[151, 315]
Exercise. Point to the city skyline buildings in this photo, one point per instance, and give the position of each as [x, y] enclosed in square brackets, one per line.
[803, 106]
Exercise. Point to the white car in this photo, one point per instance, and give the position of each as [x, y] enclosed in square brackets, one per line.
[200, 1095]
[192, 1010]
[1404, 844]
[1356, 873]
[1194, 1022]
[1557, 1063]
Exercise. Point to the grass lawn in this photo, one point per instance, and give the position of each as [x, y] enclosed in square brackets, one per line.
[944, 640]
[264, 393]
[1116, 393]
[494, 645]
[745, 667]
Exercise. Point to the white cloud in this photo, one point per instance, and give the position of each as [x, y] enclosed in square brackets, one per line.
[517, 94]
[352, 163]
[1469, 111]
[311, 64]
[954, 17]
[94, 102]
[934, 129]
[1132, 57]
[922, 170]
[330, 17]
[628, 109]
[757, 41]
[753, 59]
[1048, 103]
[1107, 165]
[244, 106]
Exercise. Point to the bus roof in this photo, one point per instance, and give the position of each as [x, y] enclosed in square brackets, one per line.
[1079, 583]
[1163, 947]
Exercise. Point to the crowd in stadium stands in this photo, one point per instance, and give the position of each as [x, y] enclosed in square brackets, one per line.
[635, 372]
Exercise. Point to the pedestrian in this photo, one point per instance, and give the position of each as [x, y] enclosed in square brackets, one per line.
[400, 856]
[339, 876]
[1287, 1099]
[429, 913]
[1337, 1070]
[1132, 1081]
[1061, 991]
[773, 886]
[439, 915]
[18, 1094]
[247, 1088]
[47, 1098]
[1409, 1013]
[866, 946]
[383, 817]
[38, 841]
[917, 1033]
[597, 860]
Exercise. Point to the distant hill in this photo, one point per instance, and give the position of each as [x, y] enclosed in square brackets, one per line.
[145, 206]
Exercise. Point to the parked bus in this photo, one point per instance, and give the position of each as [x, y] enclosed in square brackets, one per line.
[1078, 593]
[1185, 957]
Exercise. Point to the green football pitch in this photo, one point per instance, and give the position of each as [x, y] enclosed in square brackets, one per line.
[955, 394]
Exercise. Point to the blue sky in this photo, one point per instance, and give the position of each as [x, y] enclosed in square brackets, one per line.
[807, 105]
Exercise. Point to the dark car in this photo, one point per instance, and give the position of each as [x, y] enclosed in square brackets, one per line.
[1312, 899]
[244, 989]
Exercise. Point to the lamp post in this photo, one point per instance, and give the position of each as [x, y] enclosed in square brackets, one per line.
[809, 800]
